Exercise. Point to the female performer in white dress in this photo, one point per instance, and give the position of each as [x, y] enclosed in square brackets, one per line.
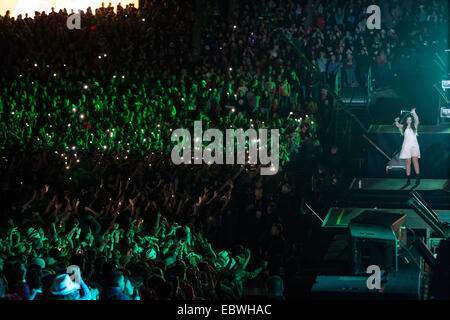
[410, 147]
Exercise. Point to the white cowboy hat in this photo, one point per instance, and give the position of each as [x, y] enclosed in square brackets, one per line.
[63, 285]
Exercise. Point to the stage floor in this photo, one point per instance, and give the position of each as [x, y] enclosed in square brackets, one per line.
[341, 217]
[394, 193]
[399, 184]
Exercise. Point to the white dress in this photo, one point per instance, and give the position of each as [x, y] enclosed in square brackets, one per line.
[410, 147]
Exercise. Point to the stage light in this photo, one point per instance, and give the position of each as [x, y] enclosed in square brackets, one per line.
[445, 84]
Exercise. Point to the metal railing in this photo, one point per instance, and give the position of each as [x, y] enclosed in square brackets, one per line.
[369, 84]
[338, 81]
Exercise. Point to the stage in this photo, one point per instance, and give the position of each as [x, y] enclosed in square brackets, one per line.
[394, 193]
[395, 184]
[381, 198]
[384, 195]
[341, 217]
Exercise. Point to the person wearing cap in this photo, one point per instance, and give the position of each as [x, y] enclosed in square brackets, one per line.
[64, 288]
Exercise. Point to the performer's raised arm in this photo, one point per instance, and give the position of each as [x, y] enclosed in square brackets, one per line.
[416, 118]
[398, 125]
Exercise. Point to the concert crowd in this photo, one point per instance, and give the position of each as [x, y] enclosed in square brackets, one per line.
[92, 206]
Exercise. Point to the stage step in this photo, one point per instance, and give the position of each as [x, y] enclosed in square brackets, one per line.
[393, 193]
[399, 184]
[354, 96]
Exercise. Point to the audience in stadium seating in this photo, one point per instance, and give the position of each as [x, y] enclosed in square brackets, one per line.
[92, 207]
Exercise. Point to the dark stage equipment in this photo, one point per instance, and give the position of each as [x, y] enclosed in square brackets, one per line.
[365, 237]
[375, 237]
[396, 166]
